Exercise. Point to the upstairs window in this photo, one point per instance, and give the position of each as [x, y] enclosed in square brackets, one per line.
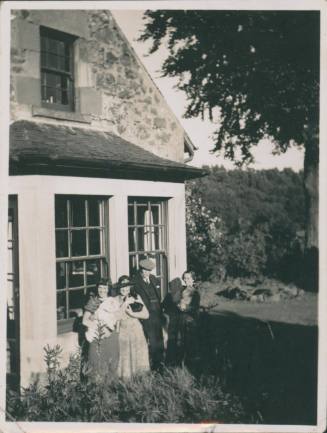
[57, 69]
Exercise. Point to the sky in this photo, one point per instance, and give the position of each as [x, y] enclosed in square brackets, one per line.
[200, 132]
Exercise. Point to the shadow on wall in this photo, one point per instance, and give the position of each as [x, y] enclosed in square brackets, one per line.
[271, 366]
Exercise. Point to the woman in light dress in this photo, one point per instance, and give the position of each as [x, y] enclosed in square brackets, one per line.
[133, 348]
[101, 315]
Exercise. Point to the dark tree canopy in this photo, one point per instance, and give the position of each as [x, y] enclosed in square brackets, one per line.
[254, 72]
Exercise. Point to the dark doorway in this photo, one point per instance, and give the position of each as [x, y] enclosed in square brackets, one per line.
[13, 352]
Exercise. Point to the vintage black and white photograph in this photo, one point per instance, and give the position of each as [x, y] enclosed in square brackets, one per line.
[162, 250]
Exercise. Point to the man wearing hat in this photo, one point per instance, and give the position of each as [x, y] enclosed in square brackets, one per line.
[148, 287]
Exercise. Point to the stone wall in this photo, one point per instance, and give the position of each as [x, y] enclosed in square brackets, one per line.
[113, 91]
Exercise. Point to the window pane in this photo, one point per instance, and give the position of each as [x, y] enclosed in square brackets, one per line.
[61, 243]
[64, 83]
[43, 93]
[61, 63]
[44, 58]
[52, 61]
[78, 212]
[61, 275]
[64, 97]
[93, 271]
[51, 80]
[76, 274]
[131, 239]
[52, 45]
[61, 212]
[67, 63]
[94, 212]
[78, 245]
[58, 96]
[50, 95]
[140, 239]
[155, 214]
[133, 265]
[76, 301]
[149, 238]
[148, 218]
[61, 306]
[141, 211]
[61, 48]
[156, 238]
[94, 242]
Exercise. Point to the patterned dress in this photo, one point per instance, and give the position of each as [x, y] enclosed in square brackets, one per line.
[133, 349]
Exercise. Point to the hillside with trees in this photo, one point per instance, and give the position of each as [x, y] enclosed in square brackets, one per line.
[246, 223]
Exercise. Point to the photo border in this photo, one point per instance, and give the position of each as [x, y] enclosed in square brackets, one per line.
[263, 5]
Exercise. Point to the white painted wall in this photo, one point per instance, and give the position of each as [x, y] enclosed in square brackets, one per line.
[36, 229]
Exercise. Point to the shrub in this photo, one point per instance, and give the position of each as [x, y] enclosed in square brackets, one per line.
[173, 396]
[246, 253]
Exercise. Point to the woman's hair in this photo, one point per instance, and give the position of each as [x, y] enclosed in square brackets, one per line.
[192, 273]
[123, 278]
[105, 282]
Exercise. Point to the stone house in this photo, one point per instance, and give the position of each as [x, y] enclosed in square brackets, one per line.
[97, 171]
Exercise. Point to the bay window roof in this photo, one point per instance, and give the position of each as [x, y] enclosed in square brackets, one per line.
[41, 148]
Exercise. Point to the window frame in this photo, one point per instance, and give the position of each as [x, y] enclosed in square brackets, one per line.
[65, 325]
[46, 32]
[163, 236]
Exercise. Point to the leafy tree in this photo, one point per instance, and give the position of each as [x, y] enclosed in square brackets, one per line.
[256, 73]
[259, 216]
[204, 236]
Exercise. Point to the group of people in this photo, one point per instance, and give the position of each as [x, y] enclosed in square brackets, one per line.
[124, 326]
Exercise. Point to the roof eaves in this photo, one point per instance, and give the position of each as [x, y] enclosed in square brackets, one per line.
[96, 168]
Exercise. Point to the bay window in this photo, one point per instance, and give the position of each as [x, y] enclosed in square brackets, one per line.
[81, 252]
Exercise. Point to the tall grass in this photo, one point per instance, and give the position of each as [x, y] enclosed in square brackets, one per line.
[171, 396]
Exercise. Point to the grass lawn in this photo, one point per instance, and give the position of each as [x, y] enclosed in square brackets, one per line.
[265, 352]
[301, 310]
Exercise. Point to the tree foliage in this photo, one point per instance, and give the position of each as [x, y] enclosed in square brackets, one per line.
[255, 73]
[246, 223]
[204, 236]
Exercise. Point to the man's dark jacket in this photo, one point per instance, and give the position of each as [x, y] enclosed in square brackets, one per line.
[153, 325]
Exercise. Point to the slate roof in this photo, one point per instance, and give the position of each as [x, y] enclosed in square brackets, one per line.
[40, 148]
